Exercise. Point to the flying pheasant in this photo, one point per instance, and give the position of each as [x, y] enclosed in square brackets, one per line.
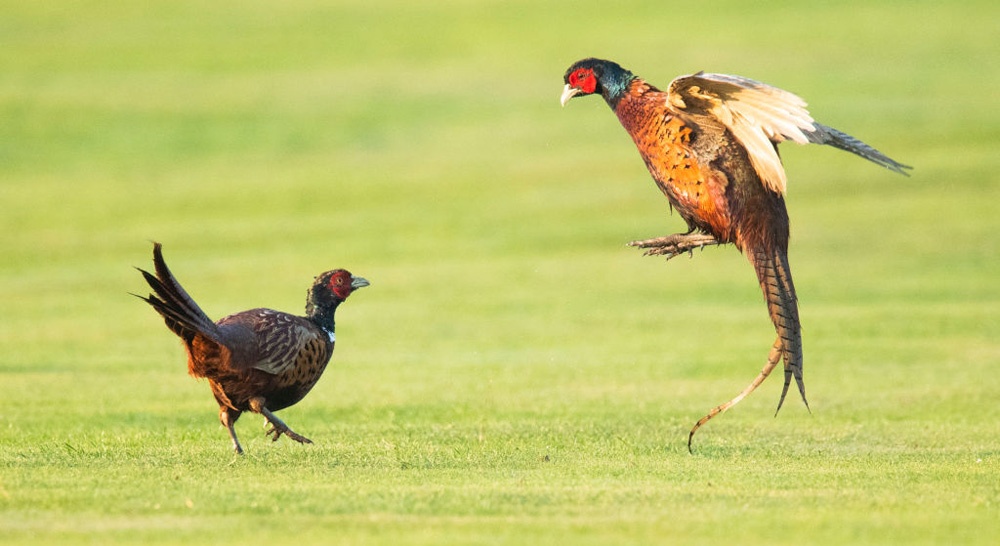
[259, 360]
[710, 143]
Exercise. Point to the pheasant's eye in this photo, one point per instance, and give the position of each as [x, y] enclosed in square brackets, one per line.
[584, 80]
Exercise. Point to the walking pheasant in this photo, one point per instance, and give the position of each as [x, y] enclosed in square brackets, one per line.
[258, 360]
[710, 143]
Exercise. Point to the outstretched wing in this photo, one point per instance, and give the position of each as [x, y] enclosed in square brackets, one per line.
[760, 116]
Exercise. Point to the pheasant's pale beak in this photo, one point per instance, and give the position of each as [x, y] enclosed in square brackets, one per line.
[568, 92]
[358, 282]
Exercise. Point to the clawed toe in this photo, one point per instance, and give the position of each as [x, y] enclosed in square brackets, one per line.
[278, 428]
[674, 245]
[273, 432]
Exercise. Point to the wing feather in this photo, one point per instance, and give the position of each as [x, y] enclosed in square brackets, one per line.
[277, 339]
[760, 116]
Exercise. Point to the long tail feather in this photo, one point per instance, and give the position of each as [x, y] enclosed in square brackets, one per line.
[772, 361]
[181, 314]
[775, 278]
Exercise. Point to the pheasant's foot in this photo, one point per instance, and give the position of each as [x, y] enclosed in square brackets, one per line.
[278, 427]
[676, 244]
[228, 418]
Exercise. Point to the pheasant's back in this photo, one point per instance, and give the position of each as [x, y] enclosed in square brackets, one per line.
[275, 355]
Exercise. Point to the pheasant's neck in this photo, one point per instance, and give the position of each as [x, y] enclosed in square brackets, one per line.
[615, 85]
[324, 318]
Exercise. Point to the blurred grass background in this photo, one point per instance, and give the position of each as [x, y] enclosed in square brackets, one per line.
[514, 374]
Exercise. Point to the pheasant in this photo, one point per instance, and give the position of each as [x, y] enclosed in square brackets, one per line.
[258, 360]
[710, 144]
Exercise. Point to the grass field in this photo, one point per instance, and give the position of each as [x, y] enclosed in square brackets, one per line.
[515, 374]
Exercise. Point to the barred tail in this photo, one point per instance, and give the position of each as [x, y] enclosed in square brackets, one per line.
[776, 281]
[172, 302]
[775, 278]
[772, 361]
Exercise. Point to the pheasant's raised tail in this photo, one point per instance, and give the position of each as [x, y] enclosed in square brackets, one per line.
[179, 311]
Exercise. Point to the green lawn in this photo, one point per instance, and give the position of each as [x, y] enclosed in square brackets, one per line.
[515, 374]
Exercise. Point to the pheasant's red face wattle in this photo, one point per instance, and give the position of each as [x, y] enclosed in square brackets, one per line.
[340, 284]
[584, 80]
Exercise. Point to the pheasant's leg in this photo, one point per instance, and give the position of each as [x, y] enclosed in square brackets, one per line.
[278, 427]
[675, 244]
[772, 361]
[228, 417]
